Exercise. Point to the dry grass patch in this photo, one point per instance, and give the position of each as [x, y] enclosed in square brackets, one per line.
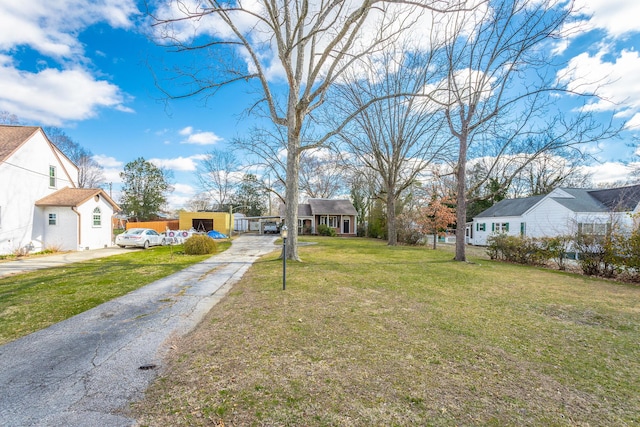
[367, 334]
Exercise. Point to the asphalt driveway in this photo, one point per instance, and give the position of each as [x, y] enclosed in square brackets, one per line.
[85, 370]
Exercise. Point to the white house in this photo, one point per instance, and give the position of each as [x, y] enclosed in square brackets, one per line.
[563, 211]
[40, 204]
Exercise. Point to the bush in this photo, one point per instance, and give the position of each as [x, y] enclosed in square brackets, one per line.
[325, 230]
[597, 255]
[556, 248]
[520, 249]
[199, 244]
[630, 256]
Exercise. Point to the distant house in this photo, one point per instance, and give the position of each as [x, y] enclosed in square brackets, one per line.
[563, 211]
[40, 204]
[338, 214]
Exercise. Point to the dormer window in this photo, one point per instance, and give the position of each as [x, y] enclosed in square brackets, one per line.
[52, 177]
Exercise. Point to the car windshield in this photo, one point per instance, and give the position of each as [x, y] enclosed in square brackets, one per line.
[135, 231]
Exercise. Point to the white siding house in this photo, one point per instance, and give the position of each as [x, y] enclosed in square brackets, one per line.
[38, 188]
[563, 211]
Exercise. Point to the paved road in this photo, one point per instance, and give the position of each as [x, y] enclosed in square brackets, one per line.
[85, 370]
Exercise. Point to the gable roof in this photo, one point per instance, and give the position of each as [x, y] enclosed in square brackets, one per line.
[510, 207]
[323, 207]
[332, 207]
[620, 199]
[74, 197]
[580, 201]
[12, 137]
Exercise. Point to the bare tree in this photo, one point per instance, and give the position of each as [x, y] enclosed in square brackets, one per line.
[321, 174]
[199, 202]
[396, 136]
[90, 172]
[218, 175]
[8, 119]
[306, 45]
[496, 95]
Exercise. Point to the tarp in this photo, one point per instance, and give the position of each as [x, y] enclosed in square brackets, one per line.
[216, 235]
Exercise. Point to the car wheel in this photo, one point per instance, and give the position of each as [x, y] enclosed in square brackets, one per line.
[146, 244]
[122, 246]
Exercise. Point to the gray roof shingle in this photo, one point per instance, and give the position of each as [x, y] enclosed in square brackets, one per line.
[620, 199]
[332, 207]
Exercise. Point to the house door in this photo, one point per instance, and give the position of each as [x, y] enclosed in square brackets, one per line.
[346, 226]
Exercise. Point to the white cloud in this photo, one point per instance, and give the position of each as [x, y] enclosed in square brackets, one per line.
[199, 138]
[186, 131]
[111, 167]
[616, 17]
[179, 163]
[176, 202]
[634, 122]
[67, 91]
[608, 172]
[51, 27]
[614, 81]
[53, 96]
[107, 161]
[184, 189]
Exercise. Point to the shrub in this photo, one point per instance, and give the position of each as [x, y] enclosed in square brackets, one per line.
[520, 249]
[325, 230]
[199, 244]
[556, 248]
[629, 255]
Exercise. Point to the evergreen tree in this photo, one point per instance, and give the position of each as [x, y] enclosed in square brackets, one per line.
[250, 197]
[144, 191]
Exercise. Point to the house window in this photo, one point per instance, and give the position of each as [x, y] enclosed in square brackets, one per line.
[523, 228]
[331, 221]
[481, 226]
[500, 227]
[97, 217]
[52, 176]
[53, 218]
[594, 229]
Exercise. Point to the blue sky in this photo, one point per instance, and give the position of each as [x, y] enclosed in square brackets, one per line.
[84, 66]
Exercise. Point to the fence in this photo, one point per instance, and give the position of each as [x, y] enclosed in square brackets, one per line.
[159, 226]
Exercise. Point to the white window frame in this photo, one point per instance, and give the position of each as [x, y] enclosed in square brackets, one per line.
[53, 177]
[594, 228]
[97, 217]
[53, 219]
[501, 227]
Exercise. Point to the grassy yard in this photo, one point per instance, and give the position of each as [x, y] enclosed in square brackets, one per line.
[369, 335]
[35, 300]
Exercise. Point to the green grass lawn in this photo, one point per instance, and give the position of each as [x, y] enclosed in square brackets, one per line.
[370, 335]
[35, 300]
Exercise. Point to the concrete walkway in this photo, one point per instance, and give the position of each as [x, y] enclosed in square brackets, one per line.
[85, 370]
[23, 265]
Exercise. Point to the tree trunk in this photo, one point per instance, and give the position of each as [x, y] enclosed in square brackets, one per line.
[435, 237]
[461, 200]
[293, 191]
[392, 233]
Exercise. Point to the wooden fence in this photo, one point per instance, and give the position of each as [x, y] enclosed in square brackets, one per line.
[159, 226]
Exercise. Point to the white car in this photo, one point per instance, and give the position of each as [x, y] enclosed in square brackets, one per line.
[140, 237]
